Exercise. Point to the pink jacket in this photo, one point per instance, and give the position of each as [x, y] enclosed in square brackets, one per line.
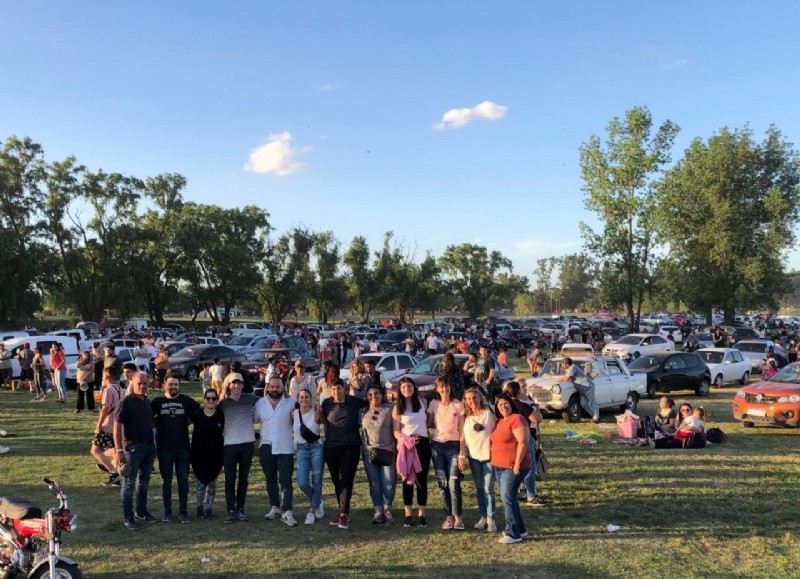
[407, 459]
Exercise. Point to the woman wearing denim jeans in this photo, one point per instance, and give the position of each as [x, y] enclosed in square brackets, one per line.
[511, 459]
[479, 424]
[377, 431]
[530, 411]
[447, 420]
[309, 456]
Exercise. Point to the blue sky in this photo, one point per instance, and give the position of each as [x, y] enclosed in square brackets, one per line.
[344, 116]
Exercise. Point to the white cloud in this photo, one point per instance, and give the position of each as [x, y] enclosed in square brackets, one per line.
[277, 156]
[457, 118]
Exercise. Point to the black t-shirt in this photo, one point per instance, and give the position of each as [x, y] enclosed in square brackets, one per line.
[172, 417]
[341, 421]
[525, 410]
[136, 417]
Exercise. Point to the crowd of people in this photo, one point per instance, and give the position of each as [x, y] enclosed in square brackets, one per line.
[296, 429]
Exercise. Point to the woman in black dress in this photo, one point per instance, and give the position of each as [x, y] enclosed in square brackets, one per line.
[206, 453]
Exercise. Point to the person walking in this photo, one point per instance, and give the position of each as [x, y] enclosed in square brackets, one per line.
[104, 430]
[58, 365]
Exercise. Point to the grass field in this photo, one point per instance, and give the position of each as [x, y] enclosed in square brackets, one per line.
[729, 510]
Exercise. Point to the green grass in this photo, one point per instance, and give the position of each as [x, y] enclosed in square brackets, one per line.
[727, 511]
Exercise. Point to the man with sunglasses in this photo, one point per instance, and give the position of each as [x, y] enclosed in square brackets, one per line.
[276, 451]
[173, 413]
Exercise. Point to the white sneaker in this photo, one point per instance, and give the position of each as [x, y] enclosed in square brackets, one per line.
[288, 518]
[4, 449]
[320, 511]
[310, 519]
[3, 433]
[508, 540]
[273, 514]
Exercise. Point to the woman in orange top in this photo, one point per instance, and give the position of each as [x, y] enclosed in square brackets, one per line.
[511, 460]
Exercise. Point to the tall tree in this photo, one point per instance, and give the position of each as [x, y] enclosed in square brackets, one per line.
[284, 268]
[618, 177]
[728, 210]
[473, 273]
[326, 288]
[576, 279]
[543, 274]
[22, 169]
[221, 253]
[362, 287]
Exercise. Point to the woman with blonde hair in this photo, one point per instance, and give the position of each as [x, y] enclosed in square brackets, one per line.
[358, 380]
[479, 423]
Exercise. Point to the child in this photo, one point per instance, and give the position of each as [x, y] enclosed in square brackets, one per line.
[205, 377]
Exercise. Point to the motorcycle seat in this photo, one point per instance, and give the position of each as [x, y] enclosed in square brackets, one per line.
[19, 508]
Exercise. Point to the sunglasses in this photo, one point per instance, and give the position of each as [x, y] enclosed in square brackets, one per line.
[211, 399]
[375, 414]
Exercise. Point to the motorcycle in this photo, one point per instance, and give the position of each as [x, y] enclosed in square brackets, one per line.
[30, 545]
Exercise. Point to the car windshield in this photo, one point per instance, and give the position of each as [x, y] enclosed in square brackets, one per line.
[552, 368]
[788, 375]
[712, 357]
[426, 367]
[705, 337]
[629, 340]
[751, 347]
[644, 363]
[240, 341]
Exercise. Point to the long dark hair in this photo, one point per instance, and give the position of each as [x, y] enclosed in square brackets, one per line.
[401, 400]
[507, 398]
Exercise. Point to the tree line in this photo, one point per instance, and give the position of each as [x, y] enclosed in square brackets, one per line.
[707, 232]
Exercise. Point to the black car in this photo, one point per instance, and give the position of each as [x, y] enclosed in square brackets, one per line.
[189, 361]
[514, 336]
[668, 371]
[394, 341]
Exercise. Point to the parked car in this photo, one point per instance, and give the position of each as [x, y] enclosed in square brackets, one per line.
[14, 345]
[665, 331]
[389, 364]
[515, 336]
[614, 387]
[550, 328]
[775, 401]
[726, 365]
[668, 371]
[247, 329]
[189, 361]
[705, 339]
[256, 362]
[174, 347]
[394, 341]
[425, 373]
[632, 346]
[756, 350]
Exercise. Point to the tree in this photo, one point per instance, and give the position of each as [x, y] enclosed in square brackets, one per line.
[22, 168]
[544, 280]
[326, 288]
[576, 278]
[618, 178]
[362, 287]
[473, 271]
[284, 269]
[221, 252]
[728, 211]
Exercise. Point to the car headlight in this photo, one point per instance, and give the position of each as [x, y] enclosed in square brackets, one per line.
[794, 398]
[741, 394]
[555, 389]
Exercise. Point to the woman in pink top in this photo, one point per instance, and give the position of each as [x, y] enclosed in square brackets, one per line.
[446, 418]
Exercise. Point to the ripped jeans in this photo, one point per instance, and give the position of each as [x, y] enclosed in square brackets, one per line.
[448, 477]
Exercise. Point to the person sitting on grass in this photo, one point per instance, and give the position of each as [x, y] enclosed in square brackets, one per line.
[667, 418]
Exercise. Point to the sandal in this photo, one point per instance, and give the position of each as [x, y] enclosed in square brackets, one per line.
[448, 524]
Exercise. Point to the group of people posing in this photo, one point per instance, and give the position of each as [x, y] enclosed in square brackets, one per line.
[296, 435]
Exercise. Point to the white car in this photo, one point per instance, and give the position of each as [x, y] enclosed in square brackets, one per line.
[665, 331]
[756, 350]
[634, 345]
[250, 329]
[557, 328]
[614, 387]
[726, 365]
[389, 364]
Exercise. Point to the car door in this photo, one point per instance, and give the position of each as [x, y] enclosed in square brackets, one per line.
[603, 390]
[673, 376]
[387, 366]
[405, 362]
[619, 381]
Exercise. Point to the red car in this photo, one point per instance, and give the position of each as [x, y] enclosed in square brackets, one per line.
[773, 401]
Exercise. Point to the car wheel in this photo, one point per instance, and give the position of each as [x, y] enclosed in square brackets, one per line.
[651, 390]
[704, 388]
[192, 374]
[572, 413]
[745, 379]
[718, 381]
[747, 424]
[631, 402]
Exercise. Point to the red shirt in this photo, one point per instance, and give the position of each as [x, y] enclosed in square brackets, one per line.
[504, 443]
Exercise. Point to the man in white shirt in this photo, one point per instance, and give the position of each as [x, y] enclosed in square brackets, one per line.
[276, 451]
[215, 371]
[432, 344]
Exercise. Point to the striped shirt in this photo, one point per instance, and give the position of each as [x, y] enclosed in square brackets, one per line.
[239, 419]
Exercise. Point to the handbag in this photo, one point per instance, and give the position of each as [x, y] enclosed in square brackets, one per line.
[542, 463]
[380, 456]
[308, 435]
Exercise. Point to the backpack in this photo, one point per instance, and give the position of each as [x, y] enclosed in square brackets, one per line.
[647, 427]
[716, 436]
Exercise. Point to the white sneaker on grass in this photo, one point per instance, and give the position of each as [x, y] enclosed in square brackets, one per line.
[310, 519]
[288, 518]
[320, 511]
[508, 540]
[273, 513]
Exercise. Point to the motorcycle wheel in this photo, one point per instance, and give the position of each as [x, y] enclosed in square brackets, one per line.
[64, 570]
